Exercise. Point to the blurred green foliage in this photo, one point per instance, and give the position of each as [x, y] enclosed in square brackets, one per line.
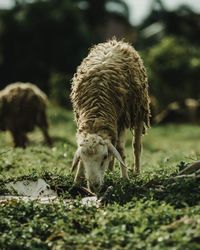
[170, 41]
[44, 41]
[181, 22]
[39, 38]
[174, 69]
[60, 88]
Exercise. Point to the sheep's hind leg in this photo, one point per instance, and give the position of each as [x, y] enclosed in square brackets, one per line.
[137, 146]
[46, 136]
[44, 129]
[43, 125]
[80, 175]
[24, 140]
[121, 150]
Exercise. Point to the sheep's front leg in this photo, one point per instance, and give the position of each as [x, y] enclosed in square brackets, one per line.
[111, 164]
[46, 136]
[20, 139]
[121, 150]
[43, 125]
[80, 175]
[137, 146]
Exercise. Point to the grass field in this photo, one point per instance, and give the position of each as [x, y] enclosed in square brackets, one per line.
[147, 212]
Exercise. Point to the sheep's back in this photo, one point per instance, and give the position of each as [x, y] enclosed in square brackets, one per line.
[113, 73]
[24, 104]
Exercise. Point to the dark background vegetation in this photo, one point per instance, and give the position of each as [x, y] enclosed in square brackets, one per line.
[44, 41]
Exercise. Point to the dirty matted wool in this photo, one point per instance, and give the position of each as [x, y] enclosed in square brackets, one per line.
[110, 90]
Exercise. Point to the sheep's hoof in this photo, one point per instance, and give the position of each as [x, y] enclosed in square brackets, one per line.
[136, 173]
[127, 177]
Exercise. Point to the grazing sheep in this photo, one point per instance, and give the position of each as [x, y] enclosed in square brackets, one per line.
[109, 94]
[22, 107]
[186, 111]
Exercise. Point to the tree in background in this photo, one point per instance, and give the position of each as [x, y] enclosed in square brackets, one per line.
[40, 38]
[170, 40]
[182, 22]
[174, 70]
[99, 12]
[44, 41]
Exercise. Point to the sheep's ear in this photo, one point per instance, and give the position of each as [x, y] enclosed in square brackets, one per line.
[75, 160]
[116, 154]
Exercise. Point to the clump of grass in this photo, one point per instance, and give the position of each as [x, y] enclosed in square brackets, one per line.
[140, 224]
[180, 193]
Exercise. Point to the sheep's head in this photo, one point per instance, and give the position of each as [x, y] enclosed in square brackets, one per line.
[95, 154]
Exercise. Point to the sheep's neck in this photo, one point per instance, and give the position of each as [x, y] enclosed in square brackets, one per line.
[99, 123]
